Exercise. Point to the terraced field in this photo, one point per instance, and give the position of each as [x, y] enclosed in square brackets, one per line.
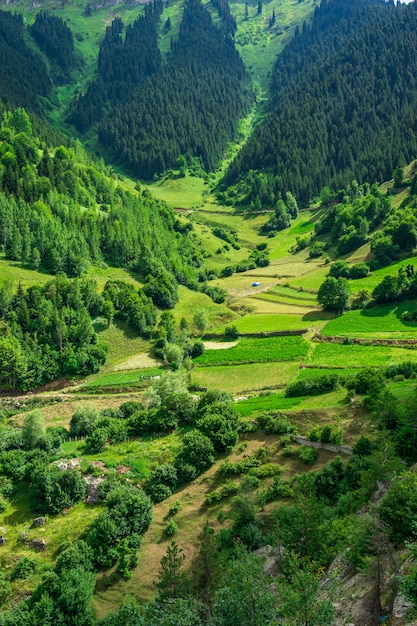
[271, 349]
[377, 322]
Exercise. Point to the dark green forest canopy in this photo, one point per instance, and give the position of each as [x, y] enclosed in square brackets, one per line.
[55, 38]
[344, 97]
[155, 113]
[23, 73]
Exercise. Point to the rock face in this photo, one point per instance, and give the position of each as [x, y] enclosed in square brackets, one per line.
[38, 521]
[93, 484]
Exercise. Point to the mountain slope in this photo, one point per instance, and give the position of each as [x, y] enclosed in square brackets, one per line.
[344, 102]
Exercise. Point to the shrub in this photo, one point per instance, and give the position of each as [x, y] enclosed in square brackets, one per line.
[326, 434]
[308, 455]
[267, 470]
[368, 380]
[23, 568]
[174, 508]
[275, 423]
[171, 528]
[128, 408]
[239, 467]
[408, 369]
[288, 451]
[231, 332]
[314, 386]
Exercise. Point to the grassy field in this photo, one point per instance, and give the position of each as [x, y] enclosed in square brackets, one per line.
[238, 379]
[346, 356]
[294, 294]
[130, 378]
[257, 351]
[141, 455]
[122, 342]
[257, 42]
[15, 273]
[374, 278]
[375, 321]
[312, 372]
[267, 323]
[278, 401]
[184, 193]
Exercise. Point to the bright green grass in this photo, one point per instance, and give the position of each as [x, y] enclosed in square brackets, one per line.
[141, 455]
[310, 278]
[239, 285]
[257, 43]
[339, 355]
[293, 294]
[379, 319]
[257, 351]
[102, 274]
[123, 378]
[13, 272]
[284, 299]
[192, 301]
[185, 193]
[270, 402]
[122, 342]
[312, 372]
[267, 323]
[404, 389]
[285, 239]
[371, 281]
[59, 529]
[215, 255]
[243, 378]
[247, 225]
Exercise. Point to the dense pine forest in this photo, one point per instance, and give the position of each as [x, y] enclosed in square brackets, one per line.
[343, 105]
[188, 107]
[20, 85]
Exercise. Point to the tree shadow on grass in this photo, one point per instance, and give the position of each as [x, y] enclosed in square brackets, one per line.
[126, 329]
[318, 316]
[397, 308]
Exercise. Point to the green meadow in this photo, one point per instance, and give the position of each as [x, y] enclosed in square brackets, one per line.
[256, 351]
[378, 321]
[346, 356]
[238, 379]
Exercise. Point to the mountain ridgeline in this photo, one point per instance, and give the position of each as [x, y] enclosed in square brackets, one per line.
[150, 113]
[343, 105]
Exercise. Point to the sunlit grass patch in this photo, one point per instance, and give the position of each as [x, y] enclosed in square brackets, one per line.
[242, 378]
[339, 355]
[269, 402]
[268, 323]
[122, 341]
[124, 378]
[379, 319]
[257, 351]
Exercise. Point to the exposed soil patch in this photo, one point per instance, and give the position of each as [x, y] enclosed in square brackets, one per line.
[219, 345]
[137, 361]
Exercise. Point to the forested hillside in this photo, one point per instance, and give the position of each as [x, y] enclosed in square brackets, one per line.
[343, 106]
[23, 76]
[221, 424]
[61, 211]
[149, 113]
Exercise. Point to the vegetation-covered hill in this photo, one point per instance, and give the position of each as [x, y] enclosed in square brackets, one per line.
[343, 101]
[257, 375]
[188, 107]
